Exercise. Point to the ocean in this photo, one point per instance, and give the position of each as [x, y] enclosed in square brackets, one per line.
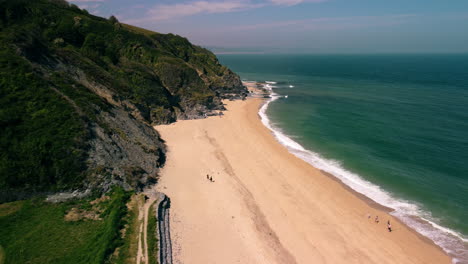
[392, 127]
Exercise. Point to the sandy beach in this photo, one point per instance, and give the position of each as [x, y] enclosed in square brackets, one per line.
[267, 206]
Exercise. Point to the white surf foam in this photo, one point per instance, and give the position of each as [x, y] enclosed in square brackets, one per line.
[454, 243]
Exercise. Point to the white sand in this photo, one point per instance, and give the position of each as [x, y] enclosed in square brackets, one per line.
[266, 205]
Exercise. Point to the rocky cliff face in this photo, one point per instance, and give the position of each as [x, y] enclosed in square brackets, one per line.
[80, 93]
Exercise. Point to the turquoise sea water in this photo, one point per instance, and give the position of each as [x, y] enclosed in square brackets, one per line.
[394, 127]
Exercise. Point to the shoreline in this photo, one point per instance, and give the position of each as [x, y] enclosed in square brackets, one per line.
[384, 209]
[287, 227]
[348, 188]
[449, 242]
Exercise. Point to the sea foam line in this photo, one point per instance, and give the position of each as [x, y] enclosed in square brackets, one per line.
[452, 242]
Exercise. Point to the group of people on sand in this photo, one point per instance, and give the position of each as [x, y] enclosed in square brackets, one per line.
[208, 177]
[376, 220]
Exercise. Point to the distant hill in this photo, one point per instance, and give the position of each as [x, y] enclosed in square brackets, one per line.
[79, 94]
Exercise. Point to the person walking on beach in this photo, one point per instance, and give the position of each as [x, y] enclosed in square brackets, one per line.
[389, 226]
[207, 177]
[211, 179]
[377, 219]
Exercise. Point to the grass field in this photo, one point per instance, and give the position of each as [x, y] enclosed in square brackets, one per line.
[2, 255]
[128, 250]
[152, 235]
[34, 231]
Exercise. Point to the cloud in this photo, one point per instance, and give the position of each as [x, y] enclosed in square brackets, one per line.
[332, 23]
[170, 11]
[294, 2]
[165, 12]
[162, 12]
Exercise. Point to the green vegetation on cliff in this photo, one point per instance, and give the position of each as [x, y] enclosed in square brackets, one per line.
[40, 134]
[78, 94]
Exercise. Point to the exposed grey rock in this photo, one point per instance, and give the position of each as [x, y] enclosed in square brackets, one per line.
[124, 149]
[64, 196]
[127, 152]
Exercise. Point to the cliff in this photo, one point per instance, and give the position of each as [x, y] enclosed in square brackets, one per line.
[79, 94]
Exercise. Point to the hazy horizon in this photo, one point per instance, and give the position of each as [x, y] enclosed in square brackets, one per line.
[234, 51]
[301, 26]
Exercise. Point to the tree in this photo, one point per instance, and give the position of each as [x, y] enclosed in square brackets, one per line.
[113, 19]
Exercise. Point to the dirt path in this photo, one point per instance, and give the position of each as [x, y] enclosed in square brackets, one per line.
[142, 254]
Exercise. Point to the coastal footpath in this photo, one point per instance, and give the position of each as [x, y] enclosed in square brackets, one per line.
[264, 205]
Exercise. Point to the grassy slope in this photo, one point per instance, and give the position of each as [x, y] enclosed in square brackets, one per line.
[2, 255]
[152, 235]
[36, 232]
[140, 30]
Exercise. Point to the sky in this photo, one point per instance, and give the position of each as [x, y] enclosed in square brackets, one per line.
[301, 26]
